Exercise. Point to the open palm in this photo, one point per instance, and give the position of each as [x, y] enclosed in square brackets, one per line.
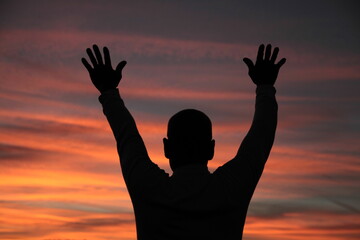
[102, 75]
[265, 71]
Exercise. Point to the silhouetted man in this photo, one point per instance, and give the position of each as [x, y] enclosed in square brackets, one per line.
[192, 203]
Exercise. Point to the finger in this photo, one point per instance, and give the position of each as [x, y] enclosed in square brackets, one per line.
[249, 63]
[268, 52]
[274, 56]
[260, 54]
[281, 62]
[98, 54]
[86, 64]
[91, 56]
[120, 67]
[107, 57]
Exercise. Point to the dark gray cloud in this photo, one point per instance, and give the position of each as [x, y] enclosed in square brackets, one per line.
[46, 127]
[273, 209]
[330, 25]
[16, 153]
[91, 223]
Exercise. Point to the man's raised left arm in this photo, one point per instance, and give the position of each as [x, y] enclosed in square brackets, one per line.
[136, 165]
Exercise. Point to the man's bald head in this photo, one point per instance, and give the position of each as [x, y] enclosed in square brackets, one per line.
[189, 138]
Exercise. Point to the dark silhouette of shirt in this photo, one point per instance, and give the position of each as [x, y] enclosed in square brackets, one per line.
[192, 203]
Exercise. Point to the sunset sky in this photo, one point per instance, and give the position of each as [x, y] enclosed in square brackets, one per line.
[60, 176]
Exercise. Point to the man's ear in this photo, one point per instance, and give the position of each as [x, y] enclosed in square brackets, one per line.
[167, 148]
[211, 150]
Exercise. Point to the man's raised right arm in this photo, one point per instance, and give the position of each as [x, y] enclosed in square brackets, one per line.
[248, 164]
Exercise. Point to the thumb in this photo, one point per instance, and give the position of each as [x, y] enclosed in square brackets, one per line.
[249, 63]
[120, 67]
[281, 62]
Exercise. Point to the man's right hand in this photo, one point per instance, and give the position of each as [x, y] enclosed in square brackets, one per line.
[265, 71]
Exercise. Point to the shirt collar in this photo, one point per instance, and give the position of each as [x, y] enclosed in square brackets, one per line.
[192, 169]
